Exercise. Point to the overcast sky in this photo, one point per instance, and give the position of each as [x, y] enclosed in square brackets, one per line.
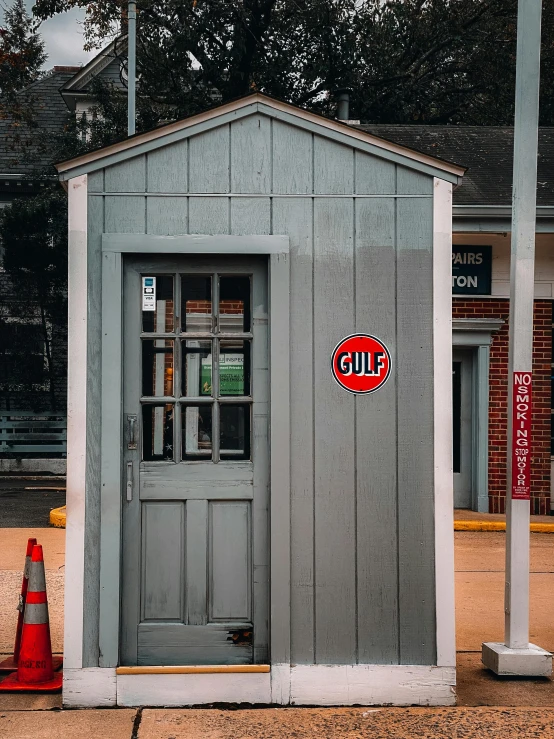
[63, 37]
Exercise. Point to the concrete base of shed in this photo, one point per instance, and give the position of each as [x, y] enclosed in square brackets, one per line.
[530, 662]
[300, 685]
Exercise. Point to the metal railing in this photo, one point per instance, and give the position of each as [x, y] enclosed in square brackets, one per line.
[31, 431]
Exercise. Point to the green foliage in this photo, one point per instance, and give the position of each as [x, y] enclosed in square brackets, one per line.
[21, 50]
[406, 61]
[33, 237]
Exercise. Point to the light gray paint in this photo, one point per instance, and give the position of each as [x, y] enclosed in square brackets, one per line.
[361, 469]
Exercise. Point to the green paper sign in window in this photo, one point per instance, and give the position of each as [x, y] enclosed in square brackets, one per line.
[231, 375]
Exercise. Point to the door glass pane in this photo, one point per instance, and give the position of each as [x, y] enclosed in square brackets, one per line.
[197, 368]
[196, 303]
[234, 439]
[157, 367]
[234, 304]
[457, 414]
[197, 431]
[157, 432]
[234, 368]
[157, 304]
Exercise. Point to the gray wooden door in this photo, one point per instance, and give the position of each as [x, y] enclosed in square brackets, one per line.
[195, 473]
[462, 430]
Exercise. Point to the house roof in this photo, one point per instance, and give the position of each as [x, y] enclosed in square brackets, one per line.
[50, 114]
[79, 84]
[487, 152]
[258, 103]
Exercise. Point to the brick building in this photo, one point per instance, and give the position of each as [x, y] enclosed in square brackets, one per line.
[481, 266]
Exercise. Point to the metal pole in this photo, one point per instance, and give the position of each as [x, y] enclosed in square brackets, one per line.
[131, 66]
[522, 286]
[516, 656]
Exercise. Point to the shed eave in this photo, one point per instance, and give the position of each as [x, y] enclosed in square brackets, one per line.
[257, 103]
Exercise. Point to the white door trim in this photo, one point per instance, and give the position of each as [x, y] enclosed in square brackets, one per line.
[279, 307]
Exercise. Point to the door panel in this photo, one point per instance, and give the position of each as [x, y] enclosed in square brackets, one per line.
[162, 562]
[195, 524]
[230, 562]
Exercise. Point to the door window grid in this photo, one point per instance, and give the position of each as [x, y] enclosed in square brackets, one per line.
[197, 428]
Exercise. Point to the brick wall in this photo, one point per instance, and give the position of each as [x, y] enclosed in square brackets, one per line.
[498, 399]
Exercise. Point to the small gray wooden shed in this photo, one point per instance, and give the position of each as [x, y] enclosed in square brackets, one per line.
[239, 527]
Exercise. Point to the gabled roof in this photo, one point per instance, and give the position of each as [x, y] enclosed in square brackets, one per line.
[487, 151]
[258, 103]
[79, 84]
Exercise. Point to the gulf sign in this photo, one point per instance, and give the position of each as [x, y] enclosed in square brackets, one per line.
[361, 364]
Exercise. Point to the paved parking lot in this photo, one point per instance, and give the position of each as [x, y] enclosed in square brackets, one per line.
[27, 503]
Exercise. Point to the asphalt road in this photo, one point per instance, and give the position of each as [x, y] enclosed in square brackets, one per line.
[21, 508]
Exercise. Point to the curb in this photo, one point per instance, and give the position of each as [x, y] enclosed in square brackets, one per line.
[57, 517]
[536, 528]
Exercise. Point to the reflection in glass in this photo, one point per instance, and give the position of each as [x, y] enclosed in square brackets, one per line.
[197, 368]
[234, 368]
[234, 439]
[157, 432]
[160, 320]
[234, 304]
[157, 367]
[196, 303]
[197, 431]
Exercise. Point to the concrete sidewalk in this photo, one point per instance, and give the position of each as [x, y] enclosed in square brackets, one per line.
[283, 723]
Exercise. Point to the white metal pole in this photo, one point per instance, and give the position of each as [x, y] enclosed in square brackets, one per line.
[131, 66]
[522, 277]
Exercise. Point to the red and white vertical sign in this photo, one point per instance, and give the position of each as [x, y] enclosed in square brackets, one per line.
[521, 436]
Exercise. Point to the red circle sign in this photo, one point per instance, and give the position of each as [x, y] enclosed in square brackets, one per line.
[361, 363]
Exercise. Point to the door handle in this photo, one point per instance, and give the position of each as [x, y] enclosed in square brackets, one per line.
[132, 431]
[129, 481]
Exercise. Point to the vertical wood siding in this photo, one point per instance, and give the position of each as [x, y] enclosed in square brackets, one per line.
[362, 531]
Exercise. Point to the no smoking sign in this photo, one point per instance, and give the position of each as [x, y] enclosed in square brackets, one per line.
[361, 364]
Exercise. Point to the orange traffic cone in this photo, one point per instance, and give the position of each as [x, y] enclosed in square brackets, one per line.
[34, 668]
[10, 664]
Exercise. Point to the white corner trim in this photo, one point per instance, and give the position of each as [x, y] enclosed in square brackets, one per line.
[396, 685]
[92, 687]
[76, 422]
[191, 690]
[443, 481]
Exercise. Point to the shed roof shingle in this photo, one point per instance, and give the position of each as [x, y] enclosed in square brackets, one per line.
[487, 152]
